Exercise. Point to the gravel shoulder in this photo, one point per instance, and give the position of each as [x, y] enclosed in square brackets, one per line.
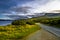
[41, 35]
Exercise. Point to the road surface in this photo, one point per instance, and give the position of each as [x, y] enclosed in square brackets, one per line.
[45, 33]
[55, 31]
[41, 35]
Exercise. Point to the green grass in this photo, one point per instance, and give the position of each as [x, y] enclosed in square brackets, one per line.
[54, 22]
[12, 32]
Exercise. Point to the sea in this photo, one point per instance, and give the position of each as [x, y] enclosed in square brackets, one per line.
[4, 23]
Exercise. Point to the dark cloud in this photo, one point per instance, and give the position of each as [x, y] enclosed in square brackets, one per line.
[14, 7]
[5, 5]
[17, 16]
[21, 9]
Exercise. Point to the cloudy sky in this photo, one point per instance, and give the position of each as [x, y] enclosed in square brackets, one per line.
[26, 7]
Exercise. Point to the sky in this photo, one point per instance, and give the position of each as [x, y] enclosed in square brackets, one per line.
[26, 7]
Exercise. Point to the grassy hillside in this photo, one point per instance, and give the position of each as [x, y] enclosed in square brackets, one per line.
[55, 22]
[18, 29]
[13, 32]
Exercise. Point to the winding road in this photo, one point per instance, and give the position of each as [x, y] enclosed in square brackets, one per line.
[55, 31]
[45, 33]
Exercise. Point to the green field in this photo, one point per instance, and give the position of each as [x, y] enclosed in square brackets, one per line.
[13, 32]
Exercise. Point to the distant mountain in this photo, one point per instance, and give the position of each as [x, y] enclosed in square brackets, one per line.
[52, 14]
[36, 14]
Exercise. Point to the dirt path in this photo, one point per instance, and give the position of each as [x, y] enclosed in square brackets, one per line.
[41, 35]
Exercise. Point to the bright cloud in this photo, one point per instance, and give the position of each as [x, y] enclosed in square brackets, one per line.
[43, 6]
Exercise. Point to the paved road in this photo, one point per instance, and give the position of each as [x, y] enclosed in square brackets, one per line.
[55, 31]
[44, 34]
[41, 35]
